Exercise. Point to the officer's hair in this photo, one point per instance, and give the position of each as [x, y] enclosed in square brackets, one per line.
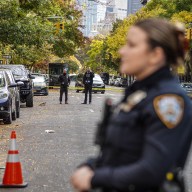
[163, 34]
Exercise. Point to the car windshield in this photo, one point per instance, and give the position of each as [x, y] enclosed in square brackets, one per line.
[2, 80]
[38, 76]
[39, 81]
[16, 70]
[97, 78]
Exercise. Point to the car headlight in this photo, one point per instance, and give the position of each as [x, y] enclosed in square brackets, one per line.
[3, 95]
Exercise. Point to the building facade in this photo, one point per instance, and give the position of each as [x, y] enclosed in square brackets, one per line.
[115, 9]
[99, 15]
[118, 8]
[93, 13]
[133, 6]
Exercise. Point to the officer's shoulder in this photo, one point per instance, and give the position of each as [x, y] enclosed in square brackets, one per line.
[170, 86]
[170, 103]
[170, 108]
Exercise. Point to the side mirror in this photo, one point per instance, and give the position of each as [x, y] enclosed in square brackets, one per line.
[12, 85]
[31, 76]
[20, 84]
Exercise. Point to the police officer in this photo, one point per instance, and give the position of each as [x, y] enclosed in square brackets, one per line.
[88, 82]
[64, 84]
[149, 133]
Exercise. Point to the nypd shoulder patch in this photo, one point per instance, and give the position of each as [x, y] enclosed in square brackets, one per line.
[170, 109]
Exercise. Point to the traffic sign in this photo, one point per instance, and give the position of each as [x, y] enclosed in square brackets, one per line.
[6, 56]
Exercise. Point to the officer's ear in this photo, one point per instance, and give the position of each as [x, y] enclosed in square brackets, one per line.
[157, 56]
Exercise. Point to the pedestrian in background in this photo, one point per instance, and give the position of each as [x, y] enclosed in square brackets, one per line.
[64, 84]
[88, 83]
[147, 136]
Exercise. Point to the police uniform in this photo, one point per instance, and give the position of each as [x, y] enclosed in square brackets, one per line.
[148, 135]
[88, 82]
[64, 83]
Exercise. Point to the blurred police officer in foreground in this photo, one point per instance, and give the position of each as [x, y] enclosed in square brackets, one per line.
[145, 139]
[64, 84]
[88, 82]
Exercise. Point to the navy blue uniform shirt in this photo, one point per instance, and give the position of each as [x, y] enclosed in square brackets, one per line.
[149, 133]
[64, 79]
[88, 78]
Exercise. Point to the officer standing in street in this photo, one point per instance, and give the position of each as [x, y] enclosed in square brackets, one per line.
[88, 82]
[64, 84]
[146, 138]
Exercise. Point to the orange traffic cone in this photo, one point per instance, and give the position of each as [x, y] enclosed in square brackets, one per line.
[13, 173]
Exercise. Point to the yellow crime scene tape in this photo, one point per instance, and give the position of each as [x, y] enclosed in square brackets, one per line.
[94, 89]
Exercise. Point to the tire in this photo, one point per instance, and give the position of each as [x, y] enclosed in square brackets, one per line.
[8, 120]
[46, 94]
[18, 109]
[77, 91]
[14, 116]
[29, 100]
[102, 92]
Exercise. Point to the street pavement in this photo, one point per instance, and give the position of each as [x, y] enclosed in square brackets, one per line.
[49, 159]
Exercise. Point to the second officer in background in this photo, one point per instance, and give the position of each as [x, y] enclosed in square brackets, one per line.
[88, 82]
[64, 84]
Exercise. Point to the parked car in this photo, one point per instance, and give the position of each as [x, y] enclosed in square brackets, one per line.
[112, 80]
[105, 77]
[8, 97]
[98, 84]
[46, 76]
[40, 86]
[73, 77]
[20, 73]
[123, 82]
[79, 83]
[117, 82]
[188, 88]
[16, 89]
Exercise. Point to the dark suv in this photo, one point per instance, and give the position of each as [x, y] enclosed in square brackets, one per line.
[8, 97]
[21, 74]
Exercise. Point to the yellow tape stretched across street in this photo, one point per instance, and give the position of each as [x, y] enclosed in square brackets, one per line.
[94, 89]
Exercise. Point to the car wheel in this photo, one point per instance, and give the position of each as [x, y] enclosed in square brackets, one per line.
[102, 92]
[29, 100]
[77, 91]
[18, 109]
[14, 116]
[8, 120]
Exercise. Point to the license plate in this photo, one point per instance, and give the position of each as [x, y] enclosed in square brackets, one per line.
[25, 92]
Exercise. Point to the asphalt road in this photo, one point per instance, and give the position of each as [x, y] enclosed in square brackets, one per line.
[48, 159]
